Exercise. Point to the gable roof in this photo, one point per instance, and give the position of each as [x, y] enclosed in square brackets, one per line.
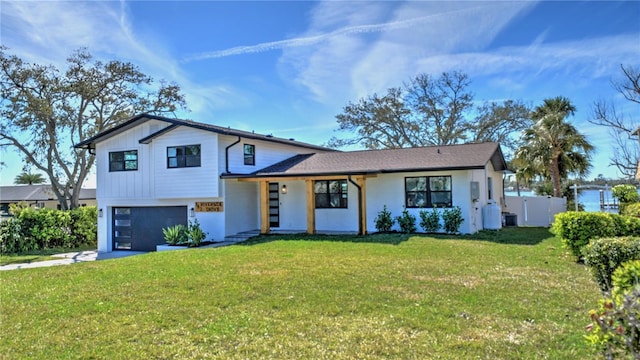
[432, 158]
[10, 194]
[141, 118]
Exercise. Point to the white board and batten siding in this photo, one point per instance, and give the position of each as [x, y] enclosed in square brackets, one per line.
[127, 184]
[266, 154]
[186, 182]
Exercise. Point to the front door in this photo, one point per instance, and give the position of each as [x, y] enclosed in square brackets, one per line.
[274, 205]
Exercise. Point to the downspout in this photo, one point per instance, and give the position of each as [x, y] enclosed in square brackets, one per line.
[226, 155]
[360, 232]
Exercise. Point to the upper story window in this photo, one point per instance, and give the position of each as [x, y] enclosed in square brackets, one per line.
[123, 160]
[331, 194]
[427, 191]
[249, 154]
[183, 156]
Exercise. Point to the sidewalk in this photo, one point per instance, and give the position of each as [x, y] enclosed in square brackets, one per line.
[71, 258]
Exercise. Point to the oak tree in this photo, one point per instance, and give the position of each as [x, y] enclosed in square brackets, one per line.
[46, 110]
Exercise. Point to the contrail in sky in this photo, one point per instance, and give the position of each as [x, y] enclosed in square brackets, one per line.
[307, 40]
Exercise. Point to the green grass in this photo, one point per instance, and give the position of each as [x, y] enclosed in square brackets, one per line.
[39, 255]
[310, 297]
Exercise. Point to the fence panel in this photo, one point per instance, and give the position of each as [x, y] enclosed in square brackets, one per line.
[535, 210]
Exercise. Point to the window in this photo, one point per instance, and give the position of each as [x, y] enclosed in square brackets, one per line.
[249, 154]
[428, 191]
[331, 194]
[123, 160]
[490, 188]
[183, 156]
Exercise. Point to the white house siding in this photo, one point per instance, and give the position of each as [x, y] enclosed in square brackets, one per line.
[266, 154]
[241, 207]
[293, 208]
[389, 190]
[328, 220]
[127, 184]
[186, 182]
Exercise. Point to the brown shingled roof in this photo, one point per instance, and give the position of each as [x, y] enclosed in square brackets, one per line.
[450, 157]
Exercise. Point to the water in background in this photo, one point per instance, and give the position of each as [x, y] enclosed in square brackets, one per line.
[590, 198]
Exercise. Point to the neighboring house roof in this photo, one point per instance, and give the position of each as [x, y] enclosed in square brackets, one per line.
[432, 158]
[11, 194]
[175, 123]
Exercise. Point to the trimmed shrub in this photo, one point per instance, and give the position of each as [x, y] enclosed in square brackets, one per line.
[452, 219]
[430, 220]
[576, 229]
[407, 222]
[37, 229]
[384, 221]
[625, 278]
[84, 226]
[603, 256]
[10, 236]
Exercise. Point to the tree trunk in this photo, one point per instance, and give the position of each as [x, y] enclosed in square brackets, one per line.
[555, 177]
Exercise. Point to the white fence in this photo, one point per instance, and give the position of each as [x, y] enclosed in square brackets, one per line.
[535, 210]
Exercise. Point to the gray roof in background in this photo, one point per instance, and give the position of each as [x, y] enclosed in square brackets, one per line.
[10, 194]
[432, 158]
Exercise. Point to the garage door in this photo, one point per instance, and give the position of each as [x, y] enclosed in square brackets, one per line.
[140, 228]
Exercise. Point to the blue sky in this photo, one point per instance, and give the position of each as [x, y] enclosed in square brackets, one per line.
[287, 68]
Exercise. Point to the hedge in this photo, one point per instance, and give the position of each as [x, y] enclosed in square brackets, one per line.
[37, 229]
[576, 229]
[603, 256]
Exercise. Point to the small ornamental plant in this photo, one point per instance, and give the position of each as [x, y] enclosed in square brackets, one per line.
[430, 220]
[407, 222]
[384, 220]
[452, 219]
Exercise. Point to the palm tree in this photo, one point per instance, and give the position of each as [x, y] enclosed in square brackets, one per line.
[27, 178]
[554, 147]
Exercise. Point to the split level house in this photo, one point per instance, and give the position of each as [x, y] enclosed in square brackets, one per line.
[154, 172]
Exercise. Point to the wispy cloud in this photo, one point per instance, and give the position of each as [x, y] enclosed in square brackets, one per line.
[312, 39]
[33, 32]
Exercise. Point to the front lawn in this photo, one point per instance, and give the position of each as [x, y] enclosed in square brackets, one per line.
[310, 297]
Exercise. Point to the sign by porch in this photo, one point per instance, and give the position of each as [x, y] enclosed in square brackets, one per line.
[210, 206]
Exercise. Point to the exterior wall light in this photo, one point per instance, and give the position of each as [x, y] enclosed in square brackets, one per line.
[100, 213]
[284, 189]
[192, 212]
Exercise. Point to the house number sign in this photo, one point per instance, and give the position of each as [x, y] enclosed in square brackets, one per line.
[210, 206]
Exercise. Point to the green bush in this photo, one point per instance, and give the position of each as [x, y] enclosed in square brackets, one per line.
[632, 209]
[625, 278]
[430, 220]
[10, 235]
[176, 235]
[384, 220]
[452, 219]
[37, 229]
[603, 256]
[615, 327]
[84, 226]
[407, 222]
[576, 229]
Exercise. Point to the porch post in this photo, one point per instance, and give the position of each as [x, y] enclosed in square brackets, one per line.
[311, 207]
[264, 207]
[360, 180]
